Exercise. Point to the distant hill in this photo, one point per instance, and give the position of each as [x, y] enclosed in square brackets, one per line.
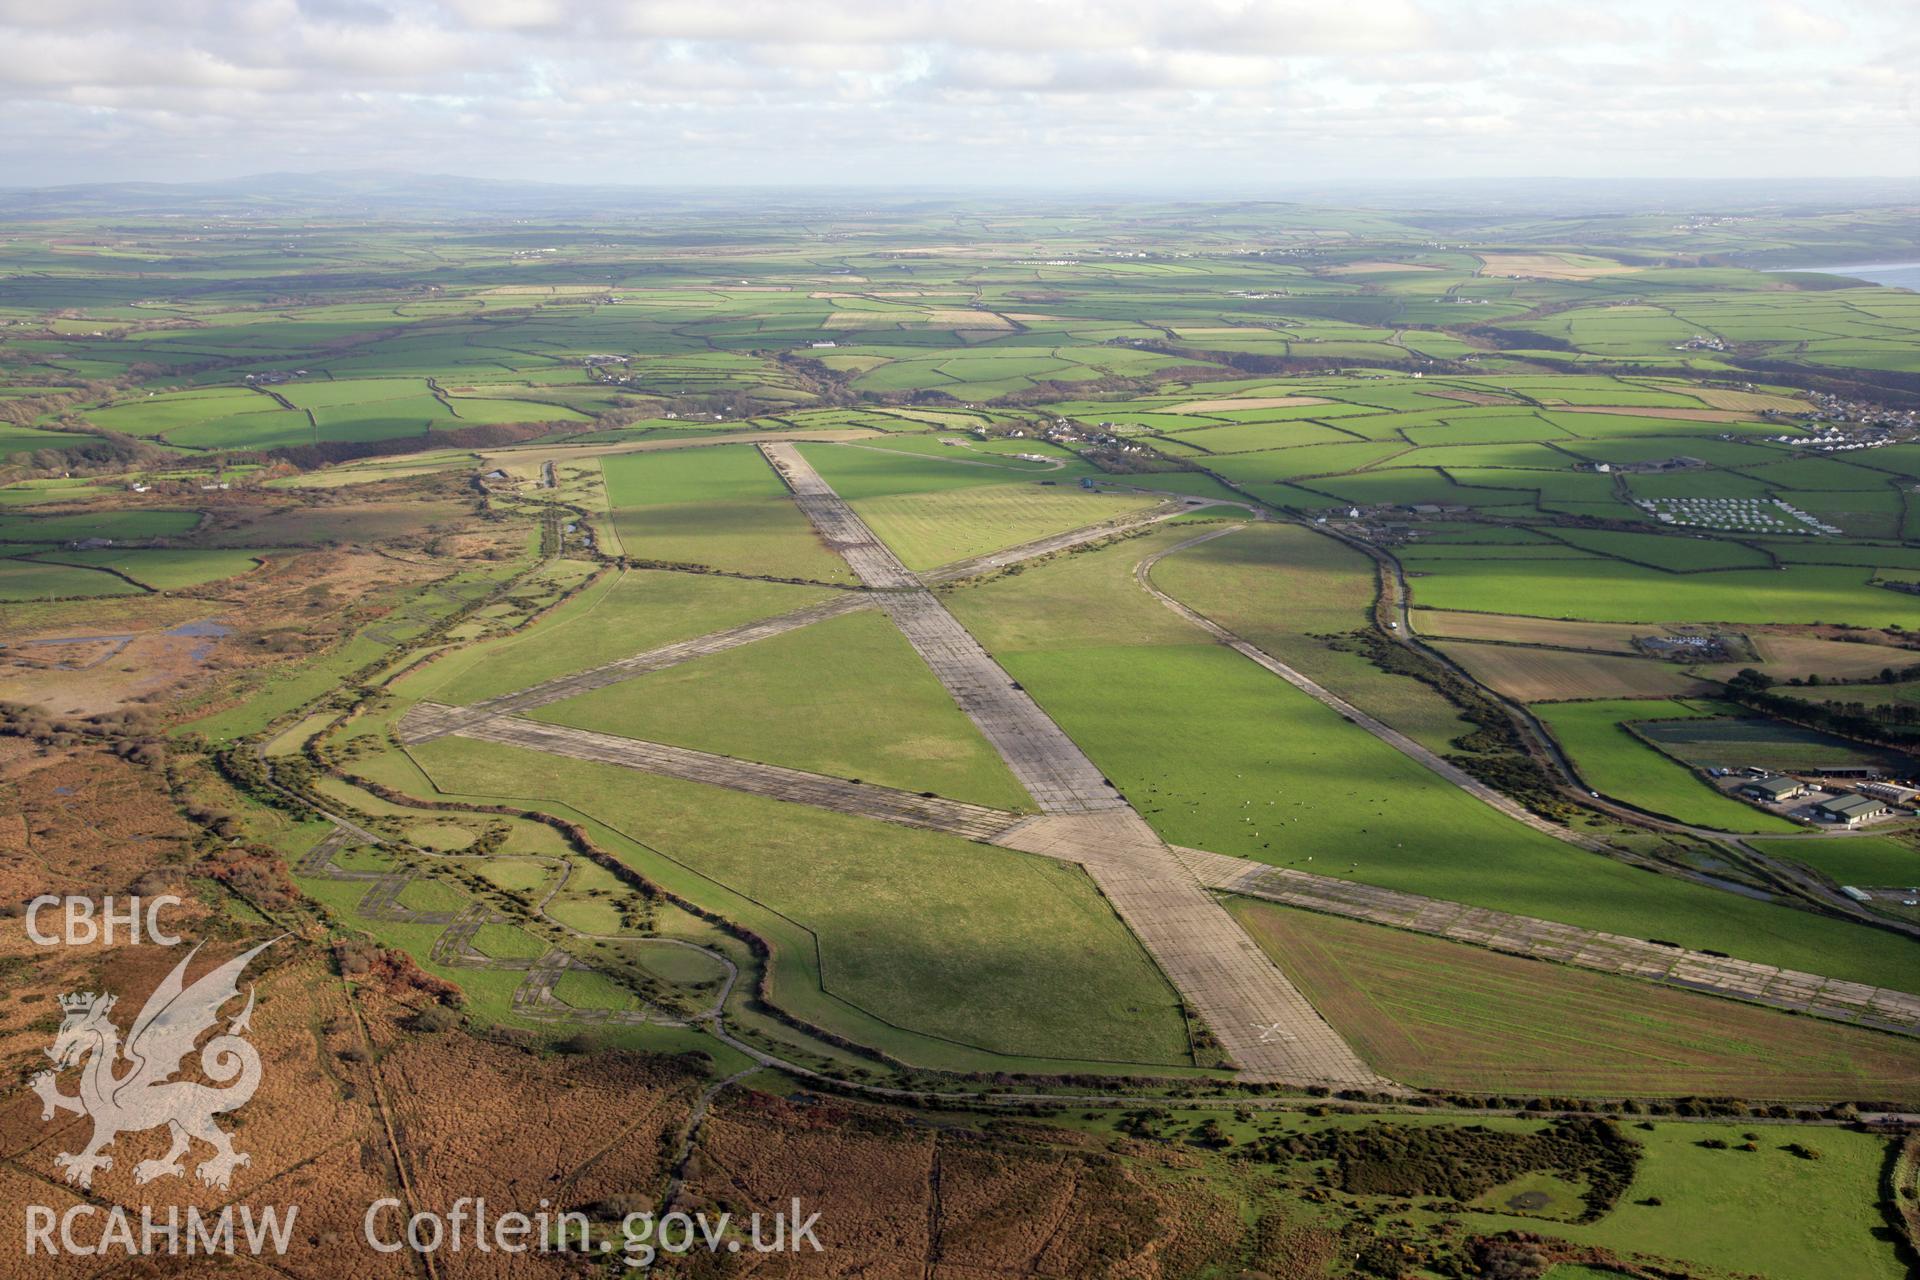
[1474, 204]
[376, 193]
[360, 192]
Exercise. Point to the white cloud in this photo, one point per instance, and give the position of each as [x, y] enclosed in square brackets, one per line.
[1107, 92]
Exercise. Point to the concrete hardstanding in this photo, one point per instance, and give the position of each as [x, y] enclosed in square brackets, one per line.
[844, 531]
[1055, 772]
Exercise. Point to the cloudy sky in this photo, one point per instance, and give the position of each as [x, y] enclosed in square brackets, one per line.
[1225, 95]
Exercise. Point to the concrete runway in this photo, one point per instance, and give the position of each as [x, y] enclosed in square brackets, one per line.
[1267, 1028]
[908, 808]
[1165, 895]
[1128, 861]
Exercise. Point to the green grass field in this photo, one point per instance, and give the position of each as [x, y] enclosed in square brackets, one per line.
[1666, 552]
[39, 580]
[1241, 763]
[847, 697]
[594, 901]
[508, 942]
[909, 938]
[122, 526]
[1619, 763]
[21, 440]
[425, 894]
[515, 874]
[723, 507]
[618, 615]
[1765, 1212]
[1615, 591]
[1855, 860]
[1286, 588]
[164, 570]
[587, 989]
[1727, 743]
[1444, 1015]
[858, 474]
[927, 529]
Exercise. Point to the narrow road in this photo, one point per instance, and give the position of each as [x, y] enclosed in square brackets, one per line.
[1789, 878]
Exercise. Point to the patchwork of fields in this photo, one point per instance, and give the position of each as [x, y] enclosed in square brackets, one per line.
[822, 653]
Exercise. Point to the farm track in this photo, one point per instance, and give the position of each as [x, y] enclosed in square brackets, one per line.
[1267, 1028]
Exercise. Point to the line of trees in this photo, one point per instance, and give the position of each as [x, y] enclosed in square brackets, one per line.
[1755, 690]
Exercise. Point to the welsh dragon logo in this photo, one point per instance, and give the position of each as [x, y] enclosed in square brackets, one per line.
[144, 1095]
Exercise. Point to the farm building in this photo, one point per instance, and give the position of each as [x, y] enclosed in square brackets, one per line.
[1773, 790]
[1849, 810]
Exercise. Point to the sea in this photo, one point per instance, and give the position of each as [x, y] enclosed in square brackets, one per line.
[1901, 275]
